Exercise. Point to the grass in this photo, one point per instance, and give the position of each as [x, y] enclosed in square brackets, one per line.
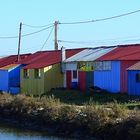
[95, 114]
[79, 98]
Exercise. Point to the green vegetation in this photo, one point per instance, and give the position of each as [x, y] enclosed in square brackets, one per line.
[72, 113]
[79, 98]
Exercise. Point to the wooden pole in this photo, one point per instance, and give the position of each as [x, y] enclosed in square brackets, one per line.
[55, 36]
[19, 41]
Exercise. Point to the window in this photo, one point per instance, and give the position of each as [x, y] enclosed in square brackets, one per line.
[102, 65]
[80, 65]
[138, 77]
[106, 65]
[74, 74]
[85, 66]
[26, 73]
[37, 73]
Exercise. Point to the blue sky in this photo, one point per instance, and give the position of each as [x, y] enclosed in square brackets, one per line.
[122, 30]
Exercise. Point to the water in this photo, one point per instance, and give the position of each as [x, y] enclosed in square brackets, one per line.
[10, 133]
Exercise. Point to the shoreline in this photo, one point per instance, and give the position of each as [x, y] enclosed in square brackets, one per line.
[50, 116]
[107, 133]
[49, 130]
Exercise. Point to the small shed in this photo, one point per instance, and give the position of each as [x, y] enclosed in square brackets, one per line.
[43, 71]
[80, 68]
[10, 78]
[134, 79]
[111, 72]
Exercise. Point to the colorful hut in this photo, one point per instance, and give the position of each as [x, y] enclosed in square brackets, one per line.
[80, 68]
[43, 71]
[10, 74]
[134, 79]
[10, 78]
[111, 71]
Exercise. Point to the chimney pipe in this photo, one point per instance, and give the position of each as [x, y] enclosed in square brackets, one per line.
[63, 54]
[63, 58]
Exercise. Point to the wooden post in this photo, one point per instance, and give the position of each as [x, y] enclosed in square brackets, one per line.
[19, 41]
[55, 36]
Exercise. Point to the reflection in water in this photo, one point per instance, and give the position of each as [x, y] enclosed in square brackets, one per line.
[10, 133]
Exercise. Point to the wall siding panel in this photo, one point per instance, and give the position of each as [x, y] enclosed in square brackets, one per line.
[68, 79]
[108, 79]
[14, 76]
[133, 86]
[4, 85]
[82, 80]
[53, 78]
[123, 81]
[32, 85]
[89, 79]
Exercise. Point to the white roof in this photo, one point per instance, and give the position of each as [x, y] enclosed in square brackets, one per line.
[89, 54]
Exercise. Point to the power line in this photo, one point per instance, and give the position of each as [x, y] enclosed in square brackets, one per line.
[24, 35]
[32, 26]
[115, 42]
[47, 39]
[97, 41]
[37, 31]
[81, 22]
[8, 37]
[102, 19]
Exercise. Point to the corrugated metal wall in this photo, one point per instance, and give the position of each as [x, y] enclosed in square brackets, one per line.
[14, 76]
[4, 86]
[82, 80]
[124, 65]
[89, 79]
[10, 79]
[109, 79]
[53, 78]
[32, 85]
[68, 79]
[133, 86]
[85, 80]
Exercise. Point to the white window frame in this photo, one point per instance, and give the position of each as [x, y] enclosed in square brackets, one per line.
[74, 79]
[102, 65]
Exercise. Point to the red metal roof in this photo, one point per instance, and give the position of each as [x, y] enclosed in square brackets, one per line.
[135, 66]
[7, 67]
[45, 58]
[123, 52]
[12, 59]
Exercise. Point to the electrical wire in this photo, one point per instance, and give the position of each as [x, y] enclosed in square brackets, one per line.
[81, 22]
[102, 19]
[24, 35]
[8, 37]
[32, 26]
[47, 39]
[98, 41]
[37, 31]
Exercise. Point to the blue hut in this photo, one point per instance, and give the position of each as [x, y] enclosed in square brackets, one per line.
[10, 78]
[134, 79]
[111, 69]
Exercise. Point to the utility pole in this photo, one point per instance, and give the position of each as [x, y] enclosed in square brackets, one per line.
[19, 41]
[55, 35]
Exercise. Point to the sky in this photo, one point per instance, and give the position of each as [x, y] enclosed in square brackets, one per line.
[124, 30]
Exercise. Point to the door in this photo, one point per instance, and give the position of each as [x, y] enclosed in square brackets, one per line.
[89, 79]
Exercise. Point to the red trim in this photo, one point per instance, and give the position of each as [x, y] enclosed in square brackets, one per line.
[82, 80]
[124, 65]
[68, 81]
